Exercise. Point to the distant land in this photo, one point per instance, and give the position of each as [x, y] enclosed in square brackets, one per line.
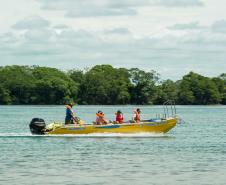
[105, 85]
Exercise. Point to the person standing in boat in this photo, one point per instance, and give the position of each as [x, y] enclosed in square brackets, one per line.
[69, 119]
[136, 115]
[119, 117]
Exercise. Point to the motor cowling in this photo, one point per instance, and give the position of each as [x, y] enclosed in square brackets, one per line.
[37, 126]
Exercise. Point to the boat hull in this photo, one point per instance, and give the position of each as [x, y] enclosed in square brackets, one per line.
[161, 126]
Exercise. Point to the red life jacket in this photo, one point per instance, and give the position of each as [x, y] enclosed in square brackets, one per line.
[119, 117]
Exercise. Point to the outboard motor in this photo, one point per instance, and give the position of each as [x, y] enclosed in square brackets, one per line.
[37, 126]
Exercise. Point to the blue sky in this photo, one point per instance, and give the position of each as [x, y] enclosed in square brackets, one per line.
[172, 37]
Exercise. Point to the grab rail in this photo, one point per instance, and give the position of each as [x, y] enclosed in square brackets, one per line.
[169, 104]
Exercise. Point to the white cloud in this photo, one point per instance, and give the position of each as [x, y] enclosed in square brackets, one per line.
[31, 22]
[186, 26]
[178, 3]
[172, 37]
[61, 26]
[119, 30]
[89, 8]
[71, 48]
[38, 35]
[219, 26]
[95, 8]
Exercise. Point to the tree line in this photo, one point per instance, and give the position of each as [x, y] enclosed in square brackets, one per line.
[106, 85]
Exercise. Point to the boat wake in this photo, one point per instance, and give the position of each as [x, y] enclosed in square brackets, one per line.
[93, 135]
[15, 135]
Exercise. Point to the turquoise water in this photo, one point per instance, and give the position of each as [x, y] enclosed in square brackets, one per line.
[191, 153]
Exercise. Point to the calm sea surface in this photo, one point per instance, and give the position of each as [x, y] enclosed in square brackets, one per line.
[191, 153]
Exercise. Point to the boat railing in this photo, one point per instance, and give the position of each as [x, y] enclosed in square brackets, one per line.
[169, 108]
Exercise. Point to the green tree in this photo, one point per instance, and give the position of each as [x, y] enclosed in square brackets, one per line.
[77, 76]
[196, 89]
[4, 96]
[104, 84]
[18, 81]
[143, 89]
[221, 84]
[167, 90]
[53, 86]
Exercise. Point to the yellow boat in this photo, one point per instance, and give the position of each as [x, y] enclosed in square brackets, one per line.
[37, 126]
[162, 124]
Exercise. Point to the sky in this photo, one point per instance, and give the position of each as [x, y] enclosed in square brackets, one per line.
[172, 37]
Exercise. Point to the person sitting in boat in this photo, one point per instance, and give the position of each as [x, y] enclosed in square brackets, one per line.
[119, 117]
[70, 117]
[136, 115]
[100, 120]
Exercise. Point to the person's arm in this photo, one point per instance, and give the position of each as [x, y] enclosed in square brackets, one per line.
[105, 121]
[72, 115]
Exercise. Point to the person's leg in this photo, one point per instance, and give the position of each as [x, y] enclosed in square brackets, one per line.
[67, 121]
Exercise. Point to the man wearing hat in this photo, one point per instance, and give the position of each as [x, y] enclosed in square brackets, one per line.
[69, 119]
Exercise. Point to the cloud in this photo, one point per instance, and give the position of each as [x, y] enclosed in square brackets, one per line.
[186, 26]
[219, 26]
[32, 22]
[61, 26]
[201, 51]
[119, 30]
[38, 35]
[90, 8]
[97, 8]
[89, 12]
[178, 3]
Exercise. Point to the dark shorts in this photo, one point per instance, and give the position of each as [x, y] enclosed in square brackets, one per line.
[68, 121]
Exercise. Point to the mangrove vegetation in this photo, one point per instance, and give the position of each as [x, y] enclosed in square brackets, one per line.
[106, 85]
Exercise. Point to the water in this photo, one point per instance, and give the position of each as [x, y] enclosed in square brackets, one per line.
[191, 153]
